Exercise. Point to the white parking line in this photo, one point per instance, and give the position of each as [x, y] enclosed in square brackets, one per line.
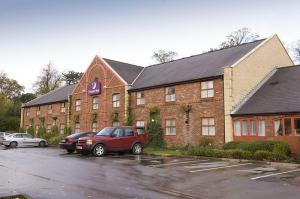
[175, 163]
[275, 174]
[215, 168]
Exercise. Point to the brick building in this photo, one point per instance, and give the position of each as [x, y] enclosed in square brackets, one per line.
[193, 96]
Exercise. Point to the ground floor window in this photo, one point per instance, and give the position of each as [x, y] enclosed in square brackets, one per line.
[49, 128]
[77, 127]
[208, 126]
[95, 127]
[287, 126]
[62, 129]
[116, 124]
[297, 125]
[170, 127]
[140, 123]
[37, 129]
[249, 127]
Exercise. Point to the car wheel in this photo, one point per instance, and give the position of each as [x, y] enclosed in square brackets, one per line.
[99, 150]
[137, 149]
[42, 144]
[13, 144]
[70, 150]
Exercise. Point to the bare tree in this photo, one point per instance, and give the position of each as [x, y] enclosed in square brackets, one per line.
[49, 79]
[162, 56]
[297, 52]
[238, 37]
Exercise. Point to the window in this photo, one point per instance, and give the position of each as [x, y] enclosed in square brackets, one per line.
[287, 126]
[297, 125]
[244, 127]
[116, 100]
[62, 129]
[37, 129]
[237, 128]
[63, 107]
[95, 103]
[208, 126]
[170, 94]
[78, 105]
[49, 128]
[140, 98]
[140, 123]
[252, 128]
[207, 89]
[38, 112]
[118, 133]
[27, 112]
[128, 132]
[261, 128]
[278, 128]
[170, 127]
[77, 127]
[50, 109]
[116, 124]
[95, 127]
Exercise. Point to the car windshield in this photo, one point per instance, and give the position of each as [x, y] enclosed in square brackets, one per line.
[106, 131]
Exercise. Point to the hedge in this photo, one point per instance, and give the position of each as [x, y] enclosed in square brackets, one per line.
[278, 147]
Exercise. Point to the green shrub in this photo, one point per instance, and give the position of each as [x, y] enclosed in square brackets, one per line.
[30, 130]
[270, 146]
[297, 159]
[68, 130]
[155, 134]
[53, 141]
[267, 155]
[238, 154]
[42, 132]
[22, 130]
[206, 142]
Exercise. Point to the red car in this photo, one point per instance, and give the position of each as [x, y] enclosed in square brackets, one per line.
[114, 139]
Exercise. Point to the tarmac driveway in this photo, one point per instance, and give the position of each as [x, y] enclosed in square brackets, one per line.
[51, 173]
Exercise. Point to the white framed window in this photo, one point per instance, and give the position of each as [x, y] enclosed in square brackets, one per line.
[116, 100]
[49, 109]
[78, 105]
[38, 111]
[77, 127]
[237, 128]
[140, 123]
[62, 129]
[252, 127]
[95, 103]
[49, 126]
[95, 127]
[116, 124]
[261, 128]
[207, 89]
[63, 107]
[244, 128]
[170, 94]
[208, 126]
[140, 98]
[170, 127]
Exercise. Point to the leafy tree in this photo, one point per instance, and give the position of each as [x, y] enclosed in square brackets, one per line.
[26, 97]
[71, 77]
[238, 37]
[162, 56]
[9, 87]
[48, 80]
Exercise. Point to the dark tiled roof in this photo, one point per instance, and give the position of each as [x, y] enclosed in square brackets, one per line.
[127, 71]
[196, 67]
[59, 95]
[279, 94]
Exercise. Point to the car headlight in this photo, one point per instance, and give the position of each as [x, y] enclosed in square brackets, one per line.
[89, 142]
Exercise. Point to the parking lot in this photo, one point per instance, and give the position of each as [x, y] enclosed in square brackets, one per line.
[52, 173]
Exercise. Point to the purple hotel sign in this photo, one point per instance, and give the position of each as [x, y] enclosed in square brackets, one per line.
[94, 88]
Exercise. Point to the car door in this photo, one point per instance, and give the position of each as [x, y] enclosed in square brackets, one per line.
[28, 140]
[115, 142]
[128, 138]
[19, 139]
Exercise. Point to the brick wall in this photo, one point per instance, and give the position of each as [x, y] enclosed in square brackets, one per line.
[201, 108]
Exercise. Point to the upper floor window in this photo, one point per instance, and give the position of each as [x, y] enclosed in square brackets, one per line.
[49, 109]
[207, 89]
[170, 127]
[62, 129]
[116, 124]
[78, 105]
[38, 111]
[95, 127]
[208, 126]
[170, 94]
[140, 98]
[63, 107]
[95, 103]
[116, 100]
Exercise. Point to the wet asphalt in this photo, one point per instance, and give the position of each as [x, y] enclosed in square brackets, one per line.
[52, 173]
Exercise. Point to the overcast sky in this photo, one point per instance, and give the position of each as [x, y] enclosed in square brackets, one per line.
[69, 33]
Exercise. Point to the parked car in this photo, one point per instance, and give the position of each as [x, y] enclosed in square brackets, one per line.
[114, 139]
[2, 135]
[69, 143]
[23, 139]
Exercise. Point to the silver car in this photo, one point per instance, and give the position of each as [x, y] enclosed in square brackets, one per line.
[23, 139]
[2, 135]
